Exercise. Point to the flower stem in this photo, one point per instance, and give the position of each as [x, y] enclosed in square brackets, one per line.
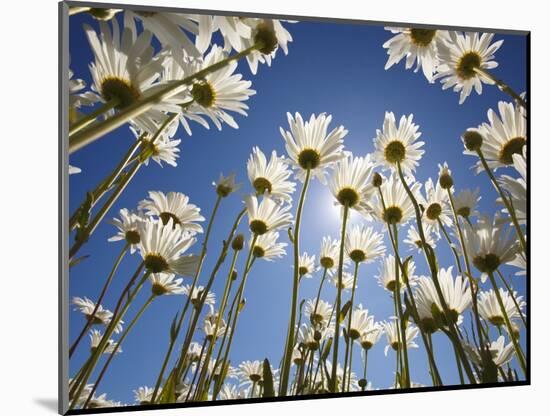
[90, 118]
[505, 200]
[333, 382]
[451, 245]
[366, 351]
[511, 293]
[349, 340]
[116, 348]
[85, 137]
[502, 86]
[519, 352]
[285, 371]
[99, 300]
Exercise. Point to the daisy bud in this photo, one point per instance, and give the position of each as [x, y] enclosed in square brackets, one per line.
[317, 336]
[265, 38]
[376, 180]
[446, 181]
[103, 14]
[234, 275]
[472, 140]
[362, 383]
[238, 242]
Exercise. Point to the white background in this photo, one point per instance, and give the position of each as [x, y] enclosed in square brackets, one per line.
[28, 204]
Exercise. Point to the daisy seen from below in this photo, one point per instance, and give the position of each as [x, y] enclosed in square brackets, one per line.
[415, 242]
[166, 284]
[95, 339]
[490, 310]
[266, 246]
[363, 244]
[466, 202]
[436, 206]
[501, 353]
[101, 317]
[516, 188]
[266, 215]
[163, 248]
[226, 185]
[504, 136]
[127, 225]
[319, 312]
[143, 395]
[361, 323]
[347, 281]
[197, 293]
[397, 144]
[396, 207]
[163, 149]
[391, 329]
[350, 183]
[463, 59]
[329, 253]
[386, 274]
[311, 147]
[173, 206]
[415, 45]
[306, 265]
[270, 179]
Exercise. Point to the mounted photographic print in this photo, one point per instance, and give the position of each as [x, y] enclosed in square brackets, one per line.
[265, 208]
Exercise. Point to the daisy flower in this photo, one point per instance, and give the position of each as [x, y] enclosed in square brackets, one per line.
[165, 284]
[306, 265]
[124, 70]
[501, 353]
[351, 185]
[143, 395]
[397, 207]
[397, 144]
[489, 308]
[226, 185]
[347, 281]
[164, 149]
[319, 313]
[363, 244]
[95, 339]
[461, 57]
[386, 276]
[416, 45]
[216, 94]
[270, 178]
[101, 316]
[309, 146]
[209, 327]
[101, 401]
[250, 372]
[361, 323]
[503, 137]
[329, 255]
[391, 329]
[76, 98]
[354, 385]
[455, 293]
[73, 170]
[193, 352]
[415, 242]
[465, 202]
[267, 247]
[162, 248]
[127, 226]
[520, 262]
[231, 392]
[266, 215]
[371, 335]
[436, 206]
[173, 206]
[197, 293]
[490, 244]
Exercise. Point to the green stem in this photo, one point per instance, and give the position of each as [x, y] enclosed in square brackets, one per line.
[90, 319]
[349, 340]
[502, 86]
[88, 119]
[519, 352]
[333, 381]
[296, 281]
[511, 293]
[319, 292]
[116, 348]
[85, 137]
[505, 201]
[365, 368]
[453, 249]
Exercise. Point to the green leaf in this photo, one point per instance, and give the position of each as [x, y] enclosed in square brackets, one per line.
[241, 305]
[268, 380]
[290, 236]
[168, 394]
[74, 262]
[326, 351]
[174, 329]
[406, 268]
[344, 311]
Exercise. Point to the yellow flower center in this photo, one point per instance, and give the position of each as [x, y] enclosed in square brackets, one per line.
[203, 94]
[119, 89]
[434, 211]
[393, 215]
[512, 147]
[348, 197]
[395, 152]
[467, 65]
[309, 159]
[422, 37]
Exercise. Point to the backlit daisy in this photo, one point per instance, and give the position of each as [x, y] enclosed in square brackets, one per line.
[226, 185]
[386, 276]
[270, 178]
[363, 244]
[350, 183]
[319, 313]
[310, 146]
[162, 248]
[466, 201]
[210, 328]
[415, 44]
[504, 136]
[95, 339]
[250, 372]
[101, 316]
[516, 188]
[415, 242]
[163, 149]
[330, 253]
[436, 205]
[520, 262]
[501, 353]
[165, 284]
[267, 247]
[143, 395]
[371, 335]
[347, 281]
[266, 215]
[392, 331]
[306, 265]
[460, 56]
[361, 323]
[174, 206]
[489, 308]
[397, 144]
[397, 208]
[490, 244]
[197, 293]
[127, 226]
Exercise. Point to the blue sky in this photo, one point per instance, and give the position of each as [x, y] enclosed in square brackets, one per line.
[331, 67]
